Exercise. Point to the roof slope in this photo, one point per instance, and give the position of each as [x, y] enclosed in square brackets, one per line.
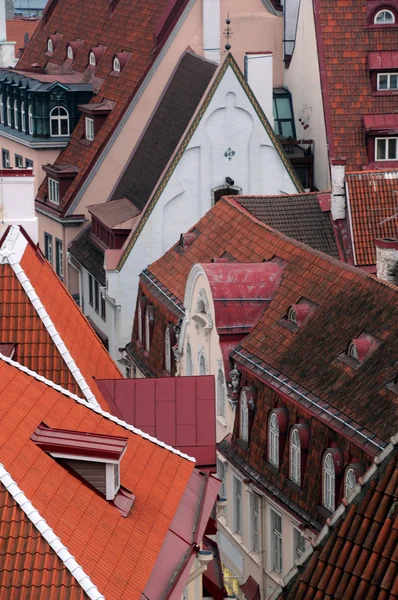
[89, 254]
[29, 566]
[373, 206]
[126, 25]
[297, 215]
[357, 555]
[37, 313]
[165, 129]
[118, 553]
[346, 92]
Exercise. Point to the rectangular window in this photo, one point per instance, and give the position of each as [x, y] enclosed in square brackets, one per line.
[5, 155]
[283, 113]
[221, 468]
[276, 541]
[298, 544]
[48, 247]
[90, 290]
[53, 190]
[237, 506]
[59, 259]
[255, 522]
[18, 161]
[96, 296]
[89, 129]
[103, 308]
[386, 148]
[29, 164]
[387, 81]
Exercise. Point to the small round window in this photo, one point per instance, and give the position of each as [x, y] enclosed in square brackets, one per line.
[384, 17]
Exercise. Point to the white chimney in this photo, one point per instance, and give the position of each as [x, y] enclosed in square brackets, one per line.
[7, 49]
[259, 73]
[211, 30]
[337, 173]
[387, 259]
[17, 201]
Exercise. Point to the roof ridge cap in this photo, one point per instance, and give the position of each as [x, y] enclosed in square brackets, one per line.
[95, 408]
[49, 535]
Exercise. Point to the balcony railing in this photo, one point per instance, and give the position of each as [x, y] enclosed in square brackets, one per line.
[298, 148]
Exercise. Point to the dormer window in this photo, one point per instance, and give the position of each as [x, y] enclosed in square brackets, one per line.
[69, 53]
[9, 118]
[332, 466]
[386, 148]
[53, 190]
[1, 109]
[91, 59]
[384, 17]
[89, 126]
[273, 441]
[352, 351]
[50, 45]
[15, 114]
[59, 122]
[350, 482]
[116, 65]
[244, 418]
[387, 81]
[298, 314]
[149, 325]
[359, 350]
[291, 315]
[119, 62]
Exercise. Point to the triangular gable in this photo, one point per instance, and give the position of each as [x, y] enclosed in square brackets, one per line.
[228, 62]
[57, 84]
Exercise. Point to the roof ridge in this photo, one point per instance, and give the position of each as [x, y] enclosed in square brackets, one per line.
[278, 195]
[372, 172]
[7, 252]
[332, 521]
[95, 408]
[49, 535]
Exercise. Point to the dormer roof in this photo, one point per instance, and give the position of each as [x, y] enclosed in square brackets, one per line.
[117, 214]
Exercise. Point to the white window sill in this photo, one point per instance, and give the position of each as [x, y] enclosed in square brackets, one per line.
[222, 420]
[255, 556]
[277, 577]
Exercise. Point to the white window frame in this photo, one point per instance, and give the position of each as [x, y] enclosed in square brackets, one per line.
[92, 60]
[220, 394]
[388, 75]
[221, 474]
[329, 482]
[386, 140]
[244, 417]
[59, 119]
[23, 125]
[273, 440]
[139, 322]
[237, 504]
[188, 362]
[15, 114]
[9, 112]
[384, 22]
[48, 247]
[69, 53]
[30, 119]
[255, 522]
[112, 480]
[167, 349]
[59, 258]
[295, 457]
[53, 190]
[147, 331]
[116, 65]
[5, 158]
[276, 540]
[297, 538]
[1, 109]
[89, 126]
[349, 486]
[50, 45]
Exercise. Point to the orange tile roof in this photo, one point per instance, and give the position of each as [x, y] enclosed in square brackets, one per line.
[21, 323]
[373, 205]
[117, 553]
[17, 29]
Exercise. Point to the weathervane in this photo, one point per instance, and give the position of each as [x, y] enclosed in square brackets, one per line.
[228, 33]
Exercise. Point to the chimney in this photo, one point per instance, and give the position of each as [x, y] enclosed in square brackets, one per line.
[337, 172]
[387, 259]
[211, 30]
[9, 10]
[258, 74]
[7, 49]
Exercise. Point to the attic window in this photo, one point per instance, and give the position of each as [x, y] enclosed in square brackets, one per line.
[393, 385]
[91, 59]
[298, 314]
[384, 17]
[359, 350]
[50, 46]
[292, 316]
[69, 53]
[116, 65]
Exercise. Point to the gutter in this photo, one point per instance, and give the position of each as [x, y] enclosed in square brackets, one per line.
[73, 220]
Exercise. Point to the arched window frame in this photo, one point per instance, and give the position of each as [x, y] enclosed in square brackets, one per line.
[220, 394]
[9, 112]
[202, 364]
[1, 109]
[92, 61]
[116, 65]
[50, 45]
[30, 120]
[15, 114]
[244, 417]
[188, 358]
[167, 349]
[350, 482]
[23, 124]
[59, 119]
[295, 457]
[329, 482]
[273, 440]
[384, 12]
[69, 53]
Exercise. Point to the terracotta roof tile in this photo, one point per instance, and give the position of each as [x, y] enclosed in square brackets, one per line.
[18, 30]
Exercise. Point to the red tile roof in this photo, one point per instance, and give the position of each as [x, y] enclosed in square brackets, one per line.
[344, 42]
[180, 411]
[17, 29]
[124, 25]
[118, 553]
[356, 556]
[40, 339]
[373, 206]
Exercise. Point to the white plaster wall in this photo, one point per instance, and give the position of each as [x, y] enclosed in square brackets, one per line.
[17, 205]
[105, 326]
[303, 80]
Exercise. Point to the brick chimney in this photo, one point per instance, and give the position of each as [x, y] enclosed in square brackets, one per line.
[259, 75]
[387, 259]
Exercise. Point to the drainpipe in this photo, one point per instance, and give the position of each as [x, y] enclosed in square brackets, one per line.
[262, 548]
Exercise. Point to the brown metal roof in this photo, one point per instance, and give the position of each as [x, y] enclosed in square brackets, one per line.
[115, 213]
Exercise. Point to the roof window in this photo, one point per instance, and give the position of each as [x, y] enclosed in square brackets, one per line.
[298, 314]
[119, 62]
[95, 55]
[384, 17]
[73, 48]
[50, 47]
[116, 65]
[69, 53]
[52, 43]
[359, 350]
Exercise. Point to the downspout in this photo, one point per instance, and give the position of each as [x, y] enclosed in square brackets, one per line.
[263, 594]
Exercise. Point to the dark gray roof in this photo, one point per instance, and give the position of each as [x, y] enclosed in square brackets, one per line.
[89, 254]
[165, 129]
[297, 215]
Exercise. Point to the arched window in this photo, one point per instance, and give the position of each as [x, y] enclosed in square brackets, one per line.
[23, 126]
[69, 53]
[350, 482]
[188, 366]
[328, 482]
[9, 112]
[295, 457]
[30, 119]
[59, 121]
[273, 441]
[202, 365]
[167, 350]
[50, 46]
[291, 315]
[147, 331]
[1, 108]
[116, 65]
[384, 17]
[15, 114]
[91, 59]
[244, 418]
[220, 394]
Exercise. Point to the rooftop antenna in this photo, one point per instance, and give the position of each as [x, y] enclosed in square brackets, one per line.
[228, 33]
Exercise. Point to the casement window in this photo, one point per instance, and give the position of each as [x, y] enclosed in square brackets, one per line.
[244, 417]
[221, 473]
[69, 53]
[1, 108]
[384, 17]
[298, 544]
[96, 296]
[329, 482]
[9, 112]
[59, 259]
[139, 322]
[5, 156]
[91, 290]
[220, 394]
[387, 81]
[89, 123]
[350, 481]
[237, 504]
[18, 161]
[102, 308]
[273, 441]
[255, 522]
[167, 349]
[53, 190]
[28, 164]
[48, 247]
[116, 65]
[189, 364]
[276, 541]
[23, 117]
[295, 457]
[59, 122]
[283, 113]
[30, 120]
[386, 148]
[15, 114]
[91, 59]
[149, 324]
